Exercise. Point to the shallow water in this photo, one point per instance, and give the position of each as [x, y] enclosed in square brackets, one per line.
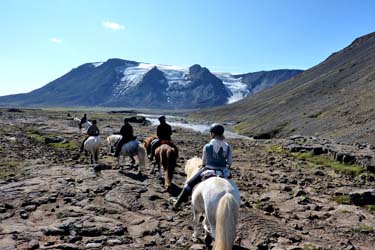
[177, 121]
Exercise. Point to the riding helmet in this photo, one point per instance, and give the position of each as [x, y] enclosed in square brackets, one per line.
[217, 129]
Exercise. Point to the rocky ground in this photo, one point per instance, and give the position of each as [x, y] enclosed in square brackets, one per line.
[49, 199]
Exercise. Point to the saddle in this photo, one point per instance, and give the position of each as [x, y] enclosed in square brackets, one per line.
[225, 173]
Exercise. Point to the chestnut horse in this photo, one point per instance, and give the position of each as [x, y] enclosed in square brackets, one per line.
[147, 143]
[166, 156]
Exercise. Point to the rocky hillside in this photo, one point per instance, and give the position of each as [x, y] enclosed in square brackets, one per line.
[122, 83]
[52, 199]
[334, 99]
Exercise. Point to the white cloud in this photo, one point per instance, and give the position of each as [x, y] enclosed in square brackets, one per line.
[112, 25]
[55, 40]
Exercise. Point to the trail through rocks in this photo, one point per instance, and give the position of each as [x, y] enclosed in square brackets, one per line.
[52, 199]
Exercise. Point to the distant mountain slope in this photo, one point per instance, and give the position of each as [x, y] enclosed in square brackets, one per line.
[333, 99]
[122, 83]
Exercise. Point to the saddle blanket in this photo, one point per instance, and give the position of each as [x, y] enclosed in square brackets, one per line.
[225, 173]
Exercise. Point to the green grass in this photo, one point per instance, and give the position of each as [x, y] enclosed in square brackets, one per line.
[317, 115]
[344, 211]
[323, 160]
[309, 246]
[363, 228]
[7, 169]
[276, 149]
[41, 138]
[342, 199]
[66, 145]
[319, 160]
[371, 208]
[241, 127]
[37, 136]
[258, 204]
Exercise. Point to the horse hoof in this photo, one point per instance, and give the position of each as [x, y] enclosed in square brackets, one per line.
[207, 240]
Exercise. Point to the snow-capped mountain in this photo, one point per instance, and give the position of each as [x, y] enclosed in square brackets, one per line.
[124, 83]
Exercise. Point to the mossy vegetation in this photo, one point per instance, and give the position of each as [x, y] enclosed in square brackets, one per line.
[7, 169]
[276, 149]
[241, 127]
[258, 204]
[371, 208]
[41, 138]
[37, 136]
[344, 211]
[342, 199]
[64, 145]
[318, 115]
[324, 160]
[363, 228]
[309, 246]
[319, 160]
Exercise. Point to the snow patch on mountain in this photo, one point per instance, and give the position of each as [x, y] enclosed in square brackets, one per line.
[97, 64]
[177, 78]
[237, 88]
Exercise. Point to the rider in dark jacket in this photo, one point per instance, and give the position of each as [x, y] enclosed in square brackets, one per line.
[93, 130]
[127, 135]
[164, 133]
[83, 120]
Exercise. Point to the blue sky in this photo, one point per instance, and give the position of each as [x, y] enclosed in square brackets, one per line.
[42, 40]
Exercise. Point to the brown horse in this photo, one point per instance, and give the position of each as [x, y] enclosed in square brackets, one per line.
[147, 143]
[166, 156]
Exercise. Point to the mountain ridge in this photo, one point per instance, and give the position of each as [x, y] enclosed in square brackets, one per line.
[124, 83]
[333, 99]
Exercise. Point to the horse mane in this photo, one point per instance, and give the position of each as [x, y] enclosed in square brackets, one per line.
[192, 166]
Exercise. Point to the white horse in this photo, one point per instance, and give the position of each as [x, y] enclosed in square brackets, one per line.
[92, 145]
[86, 125]
[131, 149]
[218, 200]
[112, 140]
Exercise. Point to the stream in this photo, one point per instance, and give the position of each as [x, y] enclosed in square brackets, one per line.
[177, 121]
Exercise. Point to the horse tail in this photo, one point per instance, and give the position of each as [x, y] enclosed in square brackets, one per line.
[141, 156]
[171, 164]
[226, 220]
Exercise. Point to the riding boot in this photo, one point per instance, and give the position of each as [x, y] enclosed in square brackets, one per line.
[183, 197]
[117, 153]
[82, 145]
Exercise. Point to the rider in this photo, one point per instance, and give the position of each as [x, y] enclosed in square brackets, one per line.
[83, 120]
[127, 135]
[164, 133]
[216, 158]
[93, 130]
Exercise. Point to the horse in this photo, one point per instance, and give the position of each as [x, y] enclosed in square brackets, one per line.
[92, 145]
[86, 125]
[112, 140]
[131, 149]
[166, 156]
[147, 143]
[218, 200]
